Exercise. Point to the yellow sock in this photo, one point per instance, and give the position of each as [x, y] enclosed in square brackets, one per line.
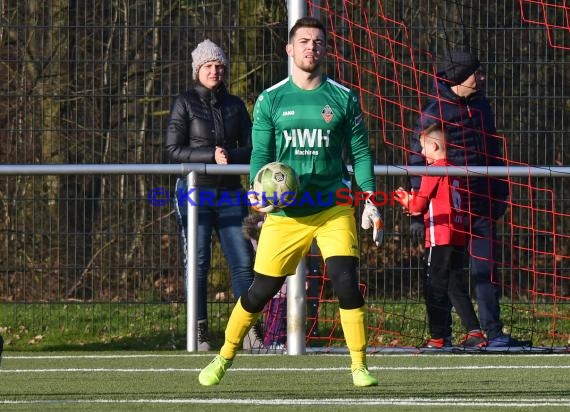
[239, 324]
[354, 328]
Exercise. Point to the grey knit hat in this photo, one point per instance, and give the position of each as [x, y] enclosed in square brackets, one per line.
[205, 52]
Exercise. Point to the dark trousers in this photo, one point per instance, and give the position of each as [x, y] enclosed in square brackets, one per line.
[445, 285]
[483, 234]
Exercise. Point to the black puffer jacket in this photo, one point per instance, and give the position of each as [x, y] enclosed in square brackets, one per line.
[200, 120]
[472, 141]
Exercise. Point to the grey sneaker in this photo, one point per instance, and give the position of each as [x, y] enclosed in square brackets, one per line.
[203, 336]
[254, 338]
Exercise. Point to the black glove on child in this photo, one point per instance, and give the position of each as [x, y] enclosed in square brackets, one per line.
[417, 230]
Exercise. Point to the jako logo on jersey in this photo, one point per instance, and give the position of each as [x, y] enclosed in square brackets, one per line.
[306, 138]
[327, 113]
[289, 113]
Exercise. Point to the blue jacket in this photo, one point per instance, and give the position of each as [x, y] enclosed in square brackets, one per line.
[471, 141]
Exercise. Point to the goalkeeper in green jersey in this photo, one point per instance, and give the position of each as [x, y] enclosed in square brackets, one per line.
[311, 123]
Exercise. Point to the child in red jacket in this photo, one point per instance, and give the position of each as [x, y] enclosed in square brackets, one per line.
[439, 200]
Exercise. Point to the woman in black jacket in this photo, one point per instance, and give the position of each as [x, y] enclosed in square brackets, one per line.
[209, 125]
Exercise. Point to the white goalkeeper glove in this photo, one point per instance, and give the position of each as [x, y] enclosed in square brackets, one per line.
[371, 219]
[256, 202]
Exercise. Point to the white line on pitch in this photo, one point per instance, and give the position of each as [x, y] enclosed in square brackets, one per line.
[377, 368]
[18, 357]
[352, 401]
[207, 355]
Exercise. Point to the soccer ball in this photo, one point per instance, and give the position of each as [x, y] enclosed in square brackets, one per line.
[276, 184]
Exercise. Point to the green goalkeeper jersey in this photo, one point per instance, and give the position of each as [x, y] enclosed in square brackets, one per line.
[313, 131]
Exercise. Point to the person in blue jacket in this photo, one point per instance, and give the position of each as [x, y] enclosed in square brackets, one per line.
[459, 101]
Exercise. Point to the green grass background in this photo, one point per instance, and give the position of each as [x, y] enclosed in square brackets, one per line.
[162, 326]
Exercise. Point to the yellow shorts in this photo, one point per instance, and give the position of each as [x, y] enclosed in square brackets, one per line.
[284, 241]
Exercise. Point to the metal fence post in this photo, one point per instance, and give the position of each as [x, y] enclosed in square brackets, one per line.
[296, 294]
[191, 273]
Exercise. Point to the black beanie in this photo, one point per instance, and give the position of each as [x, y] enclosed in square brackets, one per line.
[458, 66]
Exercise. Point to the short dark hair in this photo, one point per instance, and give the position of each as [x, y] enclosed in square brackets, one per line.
[311, 22]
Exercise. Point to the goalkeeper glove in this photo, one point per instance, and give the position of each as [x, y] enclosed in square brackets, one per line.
[371, 219]
[257, 203]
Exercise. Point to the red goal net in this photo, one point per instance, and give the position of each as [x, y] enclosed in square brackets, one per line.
[389, 57]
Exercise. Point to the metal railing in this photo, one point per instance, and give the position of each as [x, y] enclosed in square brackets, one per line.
[296, 302]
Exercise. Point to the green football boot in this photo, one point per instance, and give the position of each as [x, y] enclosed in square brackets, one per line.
[214, 372]
[361, 377]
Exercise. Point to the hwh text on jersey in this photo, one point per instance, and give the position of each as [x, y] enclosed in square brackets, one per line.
[306, 138]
